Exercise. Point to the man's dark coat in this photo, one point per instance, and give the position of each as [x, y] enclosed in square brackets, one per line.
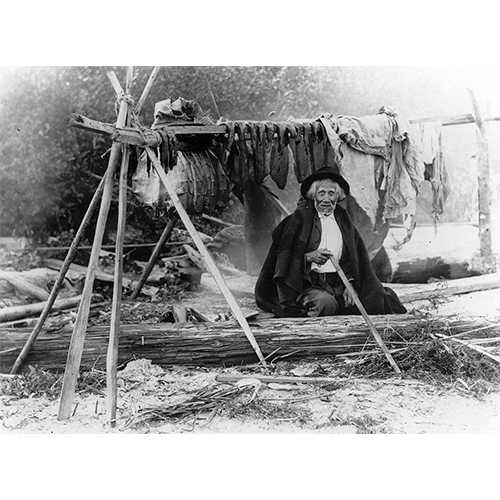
[285, 274]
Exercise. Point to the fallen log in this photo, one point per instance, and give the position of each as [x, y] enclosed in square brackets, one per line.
[24, 287]
[446, 288]
[206, 344]
[99, 275]
[25, 311]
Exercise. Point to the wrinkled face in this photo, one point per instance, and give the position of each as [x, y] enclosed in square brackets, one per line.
[327, 193]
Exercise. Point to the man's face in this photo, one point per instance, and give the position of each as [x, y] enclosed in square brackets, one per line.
[327, 194]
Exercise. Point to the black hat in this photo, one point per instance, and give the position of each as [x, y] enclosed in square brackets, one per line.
[324, 173]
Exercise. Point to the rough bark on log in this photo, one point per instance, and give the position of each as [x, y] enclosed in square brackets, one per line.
[205, 344]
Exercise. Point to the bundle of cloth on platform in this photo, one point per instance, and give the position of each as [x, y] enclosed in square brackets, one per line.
[194, 170]
[429, 138]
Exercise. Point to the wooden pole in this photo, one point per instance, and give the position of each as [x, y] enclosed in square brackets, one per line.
[60, 278]
[154, 257]
[114, 331]
[112, 354]
[78, 337]
[217, 220]
[146, 91]
[447, 121]
[212, 267]
[488, 263]
[363, 312]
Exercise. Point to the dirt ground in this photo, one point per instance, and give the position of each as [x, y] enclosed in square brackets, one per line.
[357, 406]
[351, 405]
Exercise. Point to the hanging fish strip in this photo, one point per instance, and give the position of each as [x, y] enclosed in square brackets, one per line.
[168, 149]
[254, 150]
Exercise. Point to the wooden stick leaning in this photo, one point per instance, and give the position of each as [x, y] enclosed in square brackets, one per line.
[363, 312]
[114, 330]
[154, 257]
[147, 89]
[212, 267]
[60, 278]
[79, 330]
[473, 347]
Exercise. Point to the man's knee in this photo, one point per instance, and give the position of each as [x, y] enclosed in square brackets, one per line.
[320, 303]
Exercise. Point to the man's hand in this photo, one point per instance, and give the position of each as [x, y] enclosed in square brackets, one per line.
[319, 256]
[348, 300]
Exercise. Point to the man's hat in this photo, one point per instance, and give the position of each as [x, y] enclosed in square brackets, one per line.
[324, 173]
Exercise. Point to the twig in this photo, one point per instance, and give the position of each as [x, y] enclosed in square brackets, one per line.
[304, 398]
[473, 347]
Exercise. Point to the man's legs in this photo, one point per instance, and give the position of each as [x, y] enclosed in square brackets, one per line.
[319, 302]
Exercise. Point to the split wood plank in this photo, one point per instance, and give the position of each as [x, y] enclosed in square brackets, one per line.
[235, 308]
[146, 137]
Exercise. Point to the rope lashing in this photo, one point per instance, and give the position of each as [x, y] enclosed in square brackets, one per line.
[123, 97]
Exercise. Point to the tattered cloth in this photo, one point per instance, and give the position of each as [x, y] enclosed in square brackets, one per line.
[285, 276]
[429, 140]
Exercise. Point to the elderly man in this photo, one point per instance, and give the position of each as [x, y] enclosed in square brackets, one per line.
[298, 278]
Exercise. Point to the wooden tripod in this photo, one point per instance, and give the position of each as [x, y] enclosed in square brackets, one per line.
[119, 154]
